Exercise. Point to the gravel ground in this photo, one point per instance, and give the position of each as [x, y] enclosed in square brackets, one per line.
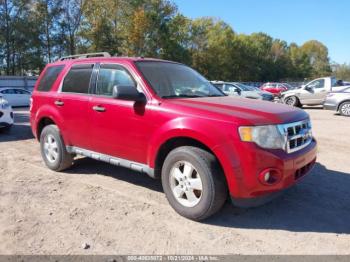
[96, 208]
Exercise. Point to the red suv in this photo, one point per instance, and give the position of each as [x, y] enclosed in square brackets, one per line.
[275, 88]
[164, 119]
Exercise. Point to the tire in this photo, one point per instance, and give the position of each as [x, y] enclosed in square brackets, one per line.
[292, 101]
[344, 109]
[194, 203]
[53, 149]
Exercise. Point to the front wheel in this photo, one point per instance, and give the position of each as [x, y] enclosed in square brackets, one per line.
[344, 109]
[193, 182]
[292, 101]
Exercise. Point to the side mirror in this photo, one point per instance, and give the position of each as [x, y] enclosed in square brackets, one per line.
[308, 88]
[237, 90]
[128, 93]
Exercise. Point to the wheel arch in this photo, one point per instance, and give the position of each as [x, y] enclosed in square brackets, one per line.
[44, 121]
[174, 142]
[342, 102]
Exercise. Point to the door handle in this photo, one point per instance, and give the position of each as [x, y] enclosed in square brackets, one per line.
[59, 103]
[99, 108]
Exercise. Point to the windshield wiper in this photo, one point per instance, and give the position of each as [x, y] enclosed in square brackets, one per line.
[216, 95]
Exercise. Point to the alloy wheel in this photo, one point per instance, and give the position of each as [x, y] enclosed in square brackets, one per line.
[186, 184]
[51, 148]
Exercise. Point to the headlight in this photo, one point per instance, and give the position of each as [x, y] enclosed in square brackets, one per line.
[4, 104]
[265, 136]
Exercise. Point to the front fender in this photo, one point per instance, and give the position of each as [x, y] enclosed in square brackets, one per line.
[219, 137]
[204, 131]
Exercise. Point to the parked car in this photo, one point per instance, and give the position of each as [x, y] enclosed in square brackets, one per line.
[164, 119]
[6, 114]
[276, 88]
[16, 96]
[238, 89]
[313, 93]
[339, 101]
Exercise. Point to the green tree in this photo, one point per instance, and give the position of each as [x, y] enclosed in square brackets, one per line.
[317, 54]
[342, 71]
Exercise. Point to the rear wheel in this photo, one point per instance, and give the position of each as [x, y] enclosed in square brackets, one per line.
[193, 182]
[292, 101]
[53, 149]
[344, 109]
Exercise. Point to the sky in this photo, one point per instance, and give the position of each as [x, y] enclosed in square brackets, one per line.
[327, 21]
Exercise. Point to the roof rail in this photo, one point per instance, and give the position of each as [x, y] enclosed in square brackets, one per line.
[80, 56]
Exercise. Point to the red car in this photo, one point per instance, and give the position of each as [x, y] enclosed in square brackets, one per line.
[275, 88]
[164, 119]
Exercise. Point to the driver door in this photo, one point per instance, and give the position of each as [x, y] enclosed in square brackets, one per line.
[314, 93]
[120, 128]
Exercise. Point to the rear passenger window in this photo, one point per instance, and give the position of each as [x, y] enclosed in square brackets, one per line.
[78, 79]
[110, 76]
[49, 77]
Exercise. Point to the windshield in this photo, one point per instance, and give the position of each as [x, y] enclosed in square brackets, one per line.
[171, 80]
[289, 86]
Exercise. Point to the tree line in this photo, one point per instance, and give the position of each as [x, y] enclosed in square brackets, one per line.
[35, 32]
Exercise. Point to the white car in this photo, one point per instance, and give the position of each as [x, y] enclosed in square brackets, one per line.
[16, 96]
[6, 114]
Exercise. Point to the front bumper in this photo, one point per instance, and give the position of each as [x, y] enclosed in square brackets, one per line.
[6, 118]
[243, 174]
[330, 106]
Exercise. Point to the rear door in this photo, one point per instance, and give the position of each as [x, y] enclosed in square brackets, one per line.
[22, 97]
[10, 96]
[72, 103]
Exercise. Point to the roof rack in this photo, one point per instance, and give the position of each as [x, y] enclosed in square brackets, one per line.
[80, 56]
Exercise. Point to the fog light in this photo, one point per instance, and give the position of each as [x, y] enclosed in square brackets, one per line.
[270, 176]
[267, 176]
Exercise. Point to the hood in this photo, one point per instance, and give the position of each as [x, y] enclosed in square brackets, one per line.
[291, 92]
[251, 94]
[243, 110]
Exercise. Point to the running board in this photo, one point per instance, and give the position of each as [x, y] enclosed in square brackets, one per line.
[112, 160]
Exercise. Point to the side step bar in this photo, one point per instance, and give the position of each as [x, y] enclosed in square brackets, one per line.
[112, 160]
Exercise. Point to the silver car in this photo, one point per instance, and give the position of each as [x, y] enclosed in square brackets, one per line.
[238, 89]
[339, 102]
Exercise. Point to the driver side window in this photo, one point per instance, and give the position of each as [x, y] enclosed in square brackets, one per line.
[317, 84]
[110, 76]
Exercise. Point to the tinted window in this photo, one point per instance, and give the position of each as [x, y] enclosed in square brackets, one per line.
[8, 91]
[49, 77]
[78, 79]
[110, 76]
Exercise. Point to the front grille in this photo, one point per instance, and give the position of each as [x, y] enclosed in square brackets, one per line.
[297, 135]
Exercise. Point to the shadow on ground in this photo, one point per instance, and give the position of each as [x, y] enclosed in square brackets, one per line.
[92, 167]
[19, 131]
[320, 203]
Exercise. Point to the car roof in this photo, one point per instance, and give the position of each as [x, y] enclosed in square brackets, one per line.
[109, 59]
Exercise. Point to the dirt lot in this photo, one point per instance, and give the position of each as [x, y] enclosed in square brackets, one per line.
[118, 211]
